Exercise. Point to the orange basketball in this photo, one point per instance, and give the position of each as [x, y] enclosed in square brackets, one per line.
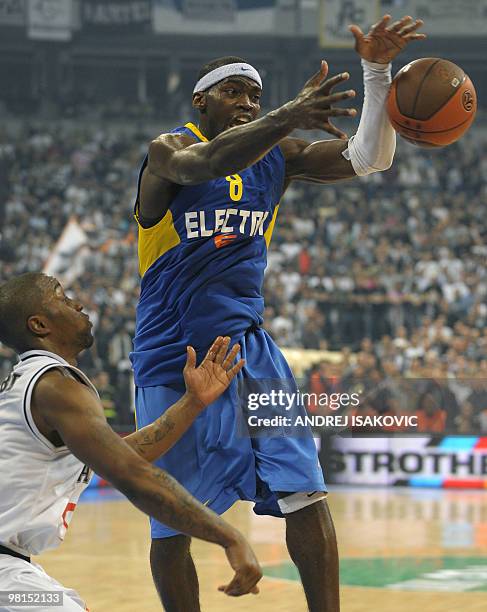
[432, 102]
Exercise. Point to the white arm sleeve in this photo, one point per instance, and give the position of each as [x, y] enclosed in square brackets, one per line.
[372, 148]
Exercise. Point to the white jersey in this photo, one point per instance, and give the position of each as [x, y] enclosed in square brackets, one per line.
[40, 483]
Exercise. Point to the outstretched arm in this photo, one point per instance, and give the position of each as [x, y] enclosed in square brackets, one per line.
[66, 406]
[70, 408]
[204, 384]
[180, 160]
[372, 148]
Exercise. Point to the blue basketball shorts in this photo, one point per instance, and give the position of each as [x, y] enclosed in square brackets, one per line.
[215, 462]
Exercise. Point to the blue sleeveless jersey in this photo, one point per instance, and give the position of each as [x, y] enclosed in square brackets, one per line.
[202, 266]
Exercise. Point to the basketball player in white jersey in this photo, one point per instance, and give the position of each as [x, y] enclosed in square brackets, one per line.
[53, 434]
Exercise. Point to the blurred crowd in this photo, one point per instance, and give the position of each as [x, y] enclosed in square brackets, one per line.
[443, 402]
[389, 269]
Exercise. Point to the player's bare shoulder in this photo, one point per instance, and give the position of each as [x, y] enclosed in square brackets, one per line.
[162, 149]
[157, 190]
[170, 142]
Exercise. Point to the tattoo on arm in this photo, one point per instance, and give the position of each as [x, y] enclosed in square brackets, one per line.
[160, 429]
[155, 439]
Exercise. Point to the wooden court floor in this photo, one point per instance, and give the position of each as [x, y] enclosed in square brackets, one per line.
[401, 550]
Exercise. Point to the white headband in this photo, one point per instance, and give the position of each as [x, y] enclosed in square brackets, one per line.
[223, 72]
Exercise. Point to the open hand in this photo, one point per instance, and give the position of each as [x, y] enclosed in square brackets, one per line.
[383, 42]
[312, 108]
[209, 380]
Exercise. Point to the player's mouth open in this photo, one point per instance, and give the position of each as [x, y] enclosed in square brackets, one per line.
[241, 120]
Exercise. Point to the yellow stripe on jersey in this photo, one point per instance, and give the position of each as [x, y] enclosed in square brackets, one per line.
[196, 131]
[270, 228]
[155, 241]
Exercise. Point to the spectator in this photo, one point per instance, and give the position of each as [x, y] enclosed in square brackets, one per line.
[431, 418]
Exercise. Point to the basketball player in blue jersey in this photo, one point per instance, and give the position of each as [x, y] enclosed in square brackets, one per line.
[208, 197]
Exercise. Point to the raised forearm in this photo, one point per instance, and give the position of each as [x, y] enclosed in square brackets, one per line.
[158, 494]
[155, 439]
[178, 161]
[373, 146]
[228, 153]
[241, 146]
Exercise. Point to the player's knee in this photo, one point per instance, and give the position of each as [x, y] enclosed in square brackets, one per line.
[170, 550]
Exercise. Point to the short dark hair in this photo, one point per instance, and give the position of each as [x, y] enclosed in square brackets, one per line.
[20, 298]
[219, 61]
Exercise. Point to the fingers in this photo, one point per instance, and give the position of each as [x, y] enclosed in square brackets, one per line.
[349, 112]
[322, 121]
[230, 358]
[331, 129]
[323, 114]
[336, 112]
[323, 69]
[329, 84]
[406, 28]
[321, 117]
[213, 350]
[232, 372]
[191, 357]
[326, 110]
[319, 76]
[399, 24]
[411, 27]
[380, 25]
[402, 26]
[415, 37]
[339, 97]
[242, 584]
[357, 32]
[234, 588]
[219, 354]
[222, 350]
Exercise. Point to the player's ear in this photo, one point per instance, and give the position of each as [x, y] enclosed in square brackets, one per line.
[38, 325]
[199, 101]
